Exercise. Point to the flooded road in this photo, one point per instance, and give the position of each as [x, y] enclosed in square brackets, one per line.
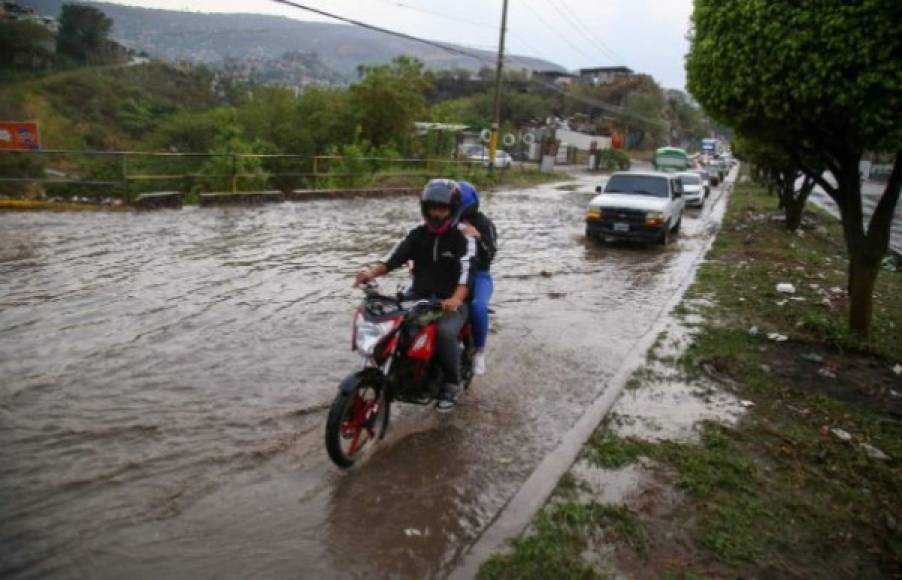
[165, 379]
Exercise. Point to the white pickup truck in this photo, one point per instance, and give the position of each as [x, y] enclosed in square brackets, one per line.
[641, 206]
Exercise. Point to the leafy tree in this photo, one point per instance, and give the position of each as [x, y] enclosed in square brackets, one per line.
[25, 45]
[478, 110]
[643, 113]
[777, 170]
[389, 99]
[688, 123]
[83, 33]
[821, 80]
[328, 116]
[219, 171]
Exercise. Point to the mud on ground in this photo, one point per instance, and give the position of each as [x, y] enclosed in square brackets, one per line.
[736, 453]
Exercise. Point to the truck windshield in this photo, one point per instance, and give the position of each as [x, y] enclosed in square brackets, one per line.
[638, 185]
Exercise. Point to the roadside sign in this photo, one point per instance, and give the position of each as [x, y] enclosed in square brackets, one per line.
[19, 135]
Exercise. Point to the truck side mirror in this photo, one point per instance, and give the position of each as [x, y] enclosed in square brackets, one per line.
[597, 189]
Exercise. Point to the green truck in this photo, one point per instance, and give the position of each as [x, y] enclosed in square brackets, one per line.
[671, 159]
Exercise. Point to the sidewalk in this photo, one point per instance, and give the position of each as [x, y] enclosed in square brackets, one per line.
[758, 440]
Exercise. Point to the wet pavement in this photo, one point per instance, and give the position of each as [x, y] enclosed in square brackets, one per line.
[165, 379]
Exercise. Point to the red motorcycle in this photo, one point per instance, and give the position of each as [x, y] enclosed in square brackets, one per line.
[396, 338]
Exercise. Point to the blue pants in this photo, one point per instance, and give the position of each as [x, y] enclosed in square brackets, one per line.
[479, 307]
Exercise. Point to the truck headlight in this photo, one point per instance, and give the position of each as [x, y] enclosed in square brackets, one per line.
[654, 218]
[594, 213]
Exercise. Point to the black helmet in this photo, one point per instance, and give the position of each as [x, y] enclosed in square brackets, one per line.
[441, 192]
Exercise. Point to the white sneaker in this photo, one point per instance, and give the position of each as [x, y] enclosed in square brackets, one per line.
[479, 363]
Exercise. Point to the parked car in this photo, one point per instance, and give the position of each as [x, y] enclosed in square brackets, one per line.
[480, 153]
[643, 206]
[693, 188]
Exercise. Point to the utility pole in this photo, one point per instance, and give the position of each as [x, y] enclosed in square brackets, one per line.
[496, 123]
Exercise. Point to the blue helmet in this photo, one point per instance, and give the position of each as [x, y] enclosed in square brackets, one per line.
[469, 199]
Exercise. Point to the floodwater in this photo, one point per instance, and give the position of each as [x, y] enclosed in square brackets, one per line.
[164, 381]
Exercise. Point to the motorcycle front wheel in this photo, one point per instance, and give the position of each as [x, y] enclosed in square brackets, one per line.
[356, 419]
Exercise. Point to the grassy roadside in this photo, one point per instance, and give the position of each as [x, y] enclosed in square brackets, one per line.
[807, 484]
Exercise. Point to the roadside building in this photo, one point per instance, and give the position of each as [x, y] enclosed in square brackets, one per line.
[603, 75]
[556, 77]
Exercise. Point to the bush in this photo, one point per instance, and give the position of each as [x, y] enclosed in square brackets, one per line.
[613, 160]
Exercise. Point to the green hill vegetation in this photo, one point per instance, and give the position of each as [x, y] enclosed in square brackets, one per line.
[88, 96]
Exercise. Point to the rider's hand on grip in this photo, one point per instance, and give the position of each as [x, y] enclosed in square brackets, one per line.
[362, 278]
[450, 304]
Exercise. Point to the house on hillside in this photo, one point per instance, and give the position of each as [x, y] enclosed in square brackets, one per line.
[12, 12]
[603, 75]
[556, 77]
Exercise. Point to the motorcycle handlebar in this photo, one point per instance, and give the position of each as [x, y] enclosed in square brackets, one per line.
[371, 290]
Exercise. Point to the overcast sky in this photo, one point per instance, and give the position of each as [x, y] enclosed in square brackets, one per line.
[648, 36]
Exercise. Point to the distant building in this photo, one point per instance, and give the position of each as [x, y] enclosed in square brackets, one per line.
[603, 75]
[554, 76]
[11, 11]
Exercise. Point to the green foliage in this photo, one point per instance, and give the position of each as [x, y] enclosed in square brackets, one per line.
[605, 449]
[808, 72]
[560, 534]
[687, 121]
[388, 100]
[19, 166]
[225, 168]
[189, 131]
[613, 160]
[25, 45]
[83, 35]
[651, 105]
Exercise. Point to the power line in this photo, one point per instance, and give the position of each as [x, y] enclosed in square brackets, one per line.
[556, 32]
[609, 107]
[600, 104]
[584, 30]
[441, 15]
[379, 29]
[566, 18]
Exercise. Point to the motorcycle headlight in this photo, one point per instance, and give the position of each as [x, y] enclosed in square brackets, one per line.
[369, 334]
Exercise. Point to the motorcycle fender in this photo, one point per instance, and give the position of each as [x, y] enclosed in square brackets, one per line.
[350, 383]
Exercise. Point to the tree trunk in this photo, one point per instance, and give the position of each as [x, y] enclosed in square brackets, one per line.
[866, 250]
[794, 204]
[862, 277]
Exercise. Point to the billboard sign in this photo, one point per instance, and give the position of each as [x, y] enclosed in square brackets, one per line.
[19, 135]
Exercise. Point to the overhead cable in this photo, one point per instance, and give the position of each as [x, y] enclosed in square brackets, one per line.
[580, 27]
[433, 43]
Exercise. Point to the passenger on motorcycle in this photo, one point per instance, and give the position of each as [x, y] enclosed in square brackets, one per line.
[476, 224]
[442, 259]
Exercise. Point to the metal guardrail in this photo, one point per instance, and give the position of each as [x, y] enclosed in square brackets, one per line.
[127, 171]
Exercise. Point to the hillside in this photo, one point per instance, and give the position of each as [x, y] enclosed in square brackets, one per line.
[213, 38]
[106, 108]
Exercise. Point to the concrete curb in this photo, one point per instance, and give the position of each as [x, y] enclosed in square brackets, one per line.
[241, 198]
[160, 200]
[516, 515]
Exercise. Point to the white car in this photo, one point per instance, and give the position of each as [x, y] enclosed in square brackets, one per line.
[481, 153]
[693, 188]
[643, 206]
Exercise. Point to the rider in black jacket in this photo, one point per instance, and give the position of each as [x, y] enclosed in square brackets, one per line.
[443, 268]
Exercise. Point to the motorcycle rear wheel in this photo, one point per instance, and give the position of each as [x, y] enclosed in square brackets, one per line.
[355, 420]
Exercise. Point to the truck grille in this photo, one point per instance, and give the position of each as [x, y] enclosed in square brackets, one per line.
[624, 215]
